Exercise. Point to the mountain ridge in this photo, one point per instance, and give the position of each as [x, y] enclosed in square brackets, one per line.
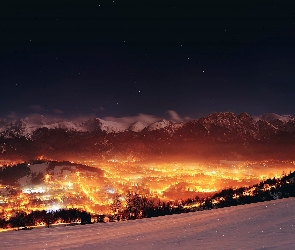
[222, 134]
[28, 125]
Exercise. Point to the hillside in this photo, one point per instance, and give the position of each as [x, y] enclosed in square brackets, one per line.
[267, 225]
[33, 173]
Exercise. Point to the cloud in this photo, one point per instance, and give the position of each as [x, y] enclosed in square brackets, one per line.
[188, 118]
[37, 119]
[174, 116]
[144, 118]
[58, 115]
[36, 108]
[57, 111]
[12, 115]
[82, 118]
[101, 108]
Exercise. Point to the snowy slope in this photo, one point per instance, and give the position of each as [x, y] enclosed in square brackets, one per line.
[272, 116]
[269, 225]
[25, 127]
[137, 126]
[111, 126]
[158, 125]
[243, 122]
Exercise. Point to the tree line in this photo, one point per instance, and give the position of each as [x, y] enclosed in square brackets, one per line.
[139, 206]
[23, 220]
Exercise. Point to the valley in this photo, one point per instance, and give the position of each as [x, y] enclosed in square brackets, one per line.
[52, 185]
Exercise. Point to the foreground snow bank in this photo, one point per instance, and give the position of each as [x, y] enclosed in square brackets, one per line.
[269, 225]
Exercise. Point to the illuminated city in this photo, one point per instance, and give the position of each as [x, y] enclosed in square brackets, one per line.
[172, 120]
[64, 185]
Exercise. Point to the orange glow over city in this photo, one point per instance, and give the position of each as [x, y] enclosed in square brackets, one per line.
[66, 187]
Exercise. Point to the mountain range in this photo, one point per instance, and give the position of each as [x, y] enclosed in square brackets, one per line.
[219, 135]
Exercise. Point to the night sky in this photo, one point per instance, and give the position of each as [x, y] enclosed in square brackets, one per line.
[124, 58]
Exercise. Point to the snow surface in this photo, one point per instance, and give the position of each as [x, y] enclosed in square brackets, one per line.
[35, 169]
[26, 127]
[38, 168]
[272, 116]
[110, 126]
[137, 126]
[269, 225]
[159, 125]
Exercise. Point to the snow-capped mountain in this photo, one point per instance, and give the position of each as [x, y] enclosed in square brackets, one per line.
[165, 126]
[159, 125]
[98, 124]
[272, 116]
[27, 126]
[217, 134]
[225, 122]
[138, 126]
[280, 122]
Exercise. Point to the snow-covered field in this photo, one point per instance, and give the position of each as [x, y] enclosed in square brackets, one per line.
[269, 225]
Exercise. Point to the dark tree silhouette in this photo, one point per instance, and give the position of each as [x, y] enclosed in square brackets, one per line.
[85, 217]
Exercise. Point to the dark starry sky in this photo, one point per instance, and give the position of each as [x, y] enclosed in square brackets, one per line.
[122, 58]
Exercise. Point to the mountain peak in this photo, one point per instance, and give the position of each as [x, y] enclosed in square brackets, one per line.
[97, 124]
[137, 126]
[273, 116]
[159, 125]
[245, 117]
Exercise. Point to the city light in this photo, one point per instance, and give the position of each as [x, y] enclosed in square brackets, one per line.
[71, 187]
